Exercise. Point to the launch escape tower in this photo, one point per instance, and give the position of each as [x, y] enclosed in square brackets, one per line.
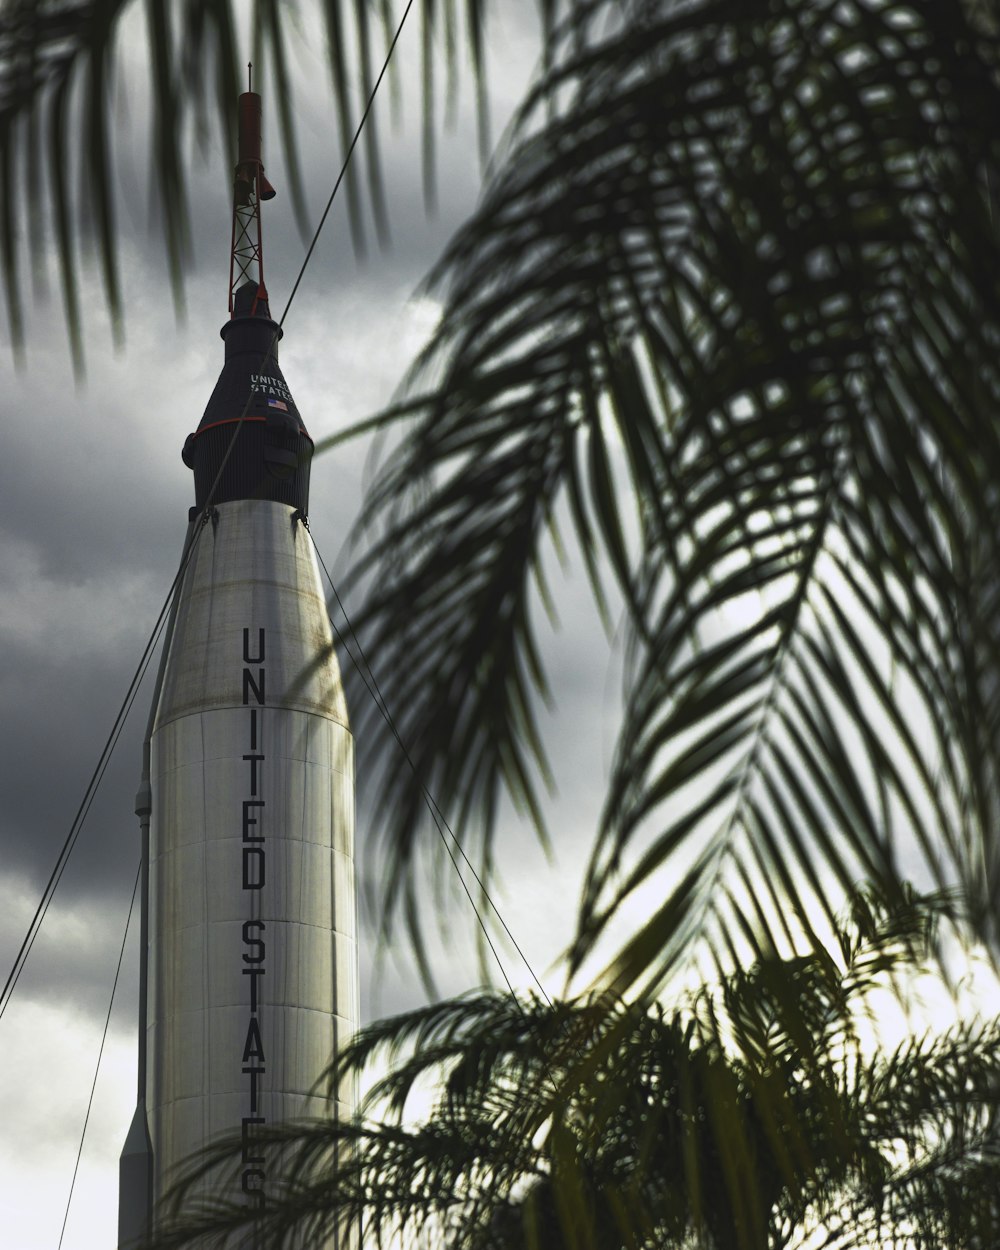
[248, 963]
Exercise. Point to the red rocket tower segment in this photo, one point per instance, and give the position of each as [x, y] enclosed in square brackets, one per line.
[250, 187]
[249, 962]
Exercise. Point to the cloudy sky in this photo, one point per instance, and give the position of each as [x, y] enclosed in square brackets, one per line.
[93, 506]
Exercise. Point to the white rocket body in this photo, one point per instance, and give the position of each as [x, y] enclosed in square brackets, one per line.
[253, 979]
[249, 980]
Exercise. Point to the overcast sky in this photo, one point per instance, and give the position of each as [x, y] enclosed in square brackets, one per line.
[93, 507]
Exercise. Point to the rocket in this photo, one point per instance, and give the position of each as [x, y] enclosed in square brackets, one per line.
[248, 953]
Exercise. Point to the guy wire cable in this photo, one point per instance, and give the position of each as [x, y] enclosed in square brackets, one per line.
[578, 1049]
[437, 815]
[347, 159]
[100, 1056]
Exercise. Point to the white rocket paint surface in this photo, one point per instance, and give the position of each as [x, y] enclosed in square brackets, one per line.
[253, 954]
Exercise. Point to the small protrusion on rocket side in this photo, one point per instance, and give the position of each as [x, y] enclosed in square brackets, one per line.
[144, 799]
[135, 1183]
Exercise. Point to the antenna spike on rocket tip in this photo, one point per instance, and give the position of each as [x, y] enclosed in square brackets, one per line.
[249, 75]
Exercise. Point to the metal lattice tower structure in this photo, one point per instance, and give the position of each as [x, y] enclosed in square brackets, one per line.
[250, 188]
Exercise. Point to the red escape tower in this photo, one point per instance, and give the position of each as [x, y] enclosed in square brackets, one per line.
[246, 262]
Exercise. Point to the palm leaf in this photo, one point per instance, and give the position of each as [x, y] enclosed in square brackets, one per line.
[724, 306]
[50, 51]
[749, 1115]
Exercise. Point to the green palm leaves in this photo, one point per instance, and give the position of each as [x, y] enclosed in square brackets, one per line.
[753, 1116]
[728, 311]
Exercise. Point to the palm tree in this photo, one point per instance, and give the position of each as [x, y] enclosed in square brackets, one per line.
[754, 1116]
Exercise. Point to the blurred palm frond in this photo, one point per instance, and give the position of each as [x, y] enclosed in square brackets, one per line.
[728, 316]
[60, 79]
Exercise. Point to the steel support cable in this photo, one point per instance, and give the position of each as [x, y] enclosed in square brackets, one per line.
[437, 815]
[372, 685]
[94, 783]
[347, 160]
[100, 1056]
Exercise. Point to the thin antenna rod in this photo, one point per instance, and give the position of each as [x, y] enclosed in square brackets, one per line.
[249, 75]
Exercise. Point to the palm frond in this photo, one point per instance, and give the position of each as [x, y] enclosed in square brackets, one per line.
[742, 1117]
[725, 307]
[58, 62]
